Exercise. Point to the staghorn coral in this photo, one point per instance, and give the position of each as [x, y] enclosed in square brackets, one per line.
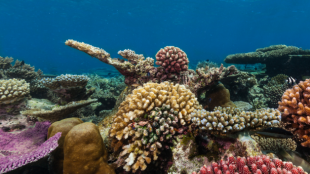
[250, 165]
[275, 144]
[278, 59]
[58, 112]
[295, 108]
[173, 59]
[149, 119]
[13, 90]
[227, 120]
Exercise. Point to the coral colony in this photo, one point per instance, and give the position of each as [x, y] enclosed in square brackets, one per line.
[159, 116]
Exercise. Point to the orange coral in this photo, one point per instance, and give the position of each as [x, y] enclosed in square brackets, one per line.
[295, 108]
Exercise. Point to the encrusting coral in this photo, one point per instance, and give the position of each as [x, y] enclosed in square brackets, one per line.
[149, 119]
[275, 144]
[251, 165]
[58, 112]
[226, 120]
[295, 108]
[13, 90]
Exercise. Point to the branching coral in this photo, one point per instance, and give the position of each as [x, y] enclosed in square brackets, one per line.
[149, 119]
[275, 144]
[206, 77]
[18, 70]
[258, 165]
[226, 120]
[173, 59]
[13, 90]
[295, 106]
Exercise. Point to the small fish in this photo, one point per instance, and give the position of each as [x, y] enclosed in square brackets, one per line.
[255, 68]
[148, 74]
[291, 81]
[207, 60]
[109, 73]
[135, 85]
[295, 159]
[22, 63]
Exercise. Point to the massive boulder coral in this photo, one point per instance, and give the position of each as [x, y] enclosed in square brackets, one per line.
[149, 119]
[13, 90]
[227, 120]
[278, 59]
[295, 108]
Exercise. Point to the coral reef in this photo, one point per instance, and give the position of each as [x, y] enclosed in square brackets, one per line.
[203, 64]
[275, 89]
[279, 59]
[18, 70]
[84, 151]
[257, 98]
[57, 156]
[13, 90]
[226, 120]
[295, 108]
[258, 164]
[68, 87]
[58, 112]
[148, 120]
[18, 149]
[173, 59]
[275, 144]
[243, 105]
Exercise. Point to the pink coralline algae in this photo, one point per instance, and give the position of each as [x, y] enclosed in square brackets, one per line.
[173, 59]
[256, 165]
[19, 149]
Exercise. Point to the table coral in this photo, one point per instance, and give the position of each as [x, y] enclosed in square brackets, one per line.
[13, 90]
[58, 112]
[295, 108]
[258, 165]
[149, 119]
[18, 149]
[227, 120]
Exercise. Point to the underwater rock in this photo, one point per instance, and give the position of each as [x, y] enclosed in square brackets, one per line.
[57, 156]
[84, 151]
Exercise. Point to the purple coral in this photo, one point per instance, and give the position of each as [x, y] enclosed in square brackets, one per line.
[18, 149]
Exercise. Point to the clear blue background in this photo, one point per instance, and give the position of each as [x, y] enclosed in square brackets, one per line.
[35, 30]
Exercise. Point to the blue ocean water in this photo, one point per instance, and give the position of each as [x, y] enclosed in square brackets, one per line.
[35, 30]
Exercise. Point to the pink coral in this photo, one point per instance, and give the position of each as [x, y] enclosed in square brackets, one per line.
[173, 59]
[258, 165]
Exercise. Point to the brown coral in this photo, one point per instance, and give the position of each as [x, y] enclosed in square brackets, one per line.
[295, 108]
[275, 144]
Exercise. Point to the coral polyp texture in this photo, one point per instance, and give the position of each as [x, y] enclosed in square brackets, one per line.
[227, 120]
[275, 144]
[13, 90]
[65, 81]
[149, 119]
[173, 59]
[251, 165]
[295, 108]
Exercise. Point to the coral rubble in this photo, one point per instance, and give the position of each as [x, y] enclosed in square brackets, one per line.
[295, 108]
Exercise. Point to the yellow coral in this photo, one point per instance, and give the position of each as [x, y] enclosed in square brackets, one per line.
[13, 90]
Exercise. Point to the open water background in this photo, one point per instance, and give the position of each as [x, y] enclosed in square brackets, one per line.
[35, 30]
